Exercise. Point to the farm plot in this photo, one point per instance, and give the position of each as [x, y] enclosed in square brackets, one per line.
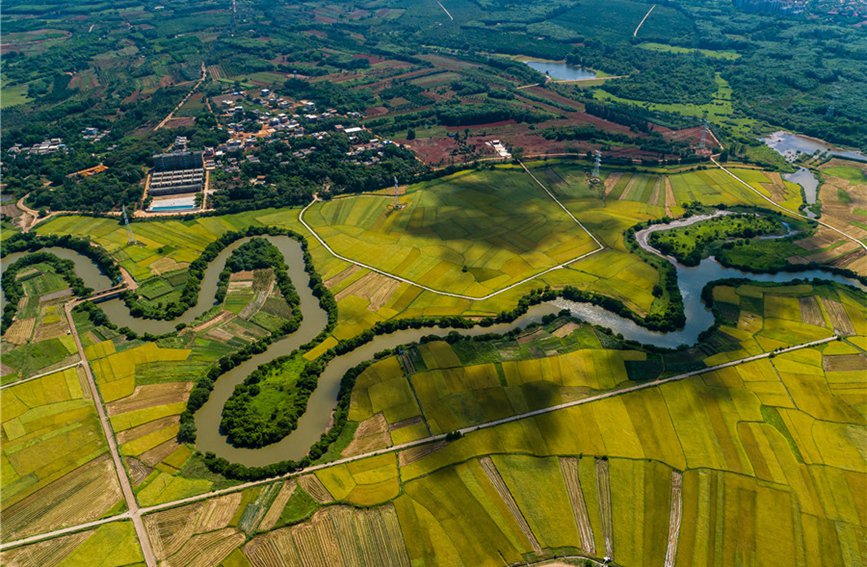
[363, 483]
[37, 339]
[55, 469]
[337, 534]
[198, 534]
[470, 233]
[110, 545]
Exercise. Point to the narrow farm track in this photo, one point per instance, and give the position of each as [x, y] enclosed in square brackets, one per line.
[128, 494]
[674, 517]
[446, 11]
[331, 251]
[397, 448]
[603, 494]
[185, 99]
[774, 203]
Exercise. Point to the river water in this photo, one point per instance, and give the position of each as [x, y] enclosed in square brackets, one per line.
[691, 281]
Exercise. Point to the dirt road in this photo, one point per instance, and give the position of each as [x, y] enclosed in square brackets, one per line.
[128, 494]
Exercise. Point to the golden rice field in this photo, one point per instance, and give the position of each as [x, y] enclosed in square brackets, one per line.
[55, 467]
[761, 463]
[110, 544]
[470, 233]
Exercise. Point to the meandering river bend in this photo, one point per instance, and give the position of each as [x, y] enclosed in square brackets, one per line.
[691, 281]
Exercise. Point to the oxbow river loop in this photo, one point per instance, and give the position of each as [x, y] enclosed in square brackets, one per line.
[317, 417]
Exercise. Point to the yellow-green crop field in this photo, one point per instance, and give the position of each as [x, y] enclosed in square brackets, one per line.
[110, 545]
[55, 468]
[470, 233]
[760, 463]
[37, 340]
[497, 224]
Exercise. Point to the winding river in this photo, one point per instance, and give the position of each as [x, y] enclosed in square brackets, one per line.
[691, 280]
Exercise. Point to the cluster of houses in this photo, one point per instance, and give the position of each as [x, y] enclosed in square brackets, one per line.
[285, 119]
[45, 147]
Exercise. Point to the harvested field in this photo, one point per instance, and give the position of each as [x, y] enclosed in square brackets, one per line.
[603, 491]
[151, 395]
[172, 530]
[670, 200]
[569, 469]
[314, 487]
[138, 471]
[611, 182]
[508, 499]
[839, 318]
[375, 288]
[414, 454]
[155, 456]
[44, 553]
[337, 535]
[811, 313]
[273, 514]
[674, 518]
[146, 429]
[844, 362]
[20, 331]
[208, 549]
[565, 330]
[80, 496]
[348, 272]
[372, 434]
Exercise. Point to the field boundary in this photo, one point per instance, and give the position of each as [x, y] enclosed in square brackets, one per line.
[141, 511]
[42, 375]
[509, 287]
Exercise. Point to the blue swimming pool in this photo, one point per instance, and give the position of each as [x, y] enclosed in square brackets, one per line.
[173, 208]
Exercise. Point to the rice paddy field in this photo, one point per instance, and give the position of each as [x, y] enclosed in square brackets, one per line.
[748, 464]
[753, 464]
[843, 197]
[497, 225]
[471, 233]
[110, 545]
[37, 340]
[56, 471]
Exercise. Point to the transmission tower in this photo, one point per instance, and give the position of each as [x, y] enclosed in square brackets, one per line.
[130, 237]
[597, 163]
[396, 194]
[702, 143]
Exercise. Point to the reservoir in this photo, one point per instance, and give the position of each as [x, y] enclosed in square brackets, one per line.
[789, 145]
[562, 71]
